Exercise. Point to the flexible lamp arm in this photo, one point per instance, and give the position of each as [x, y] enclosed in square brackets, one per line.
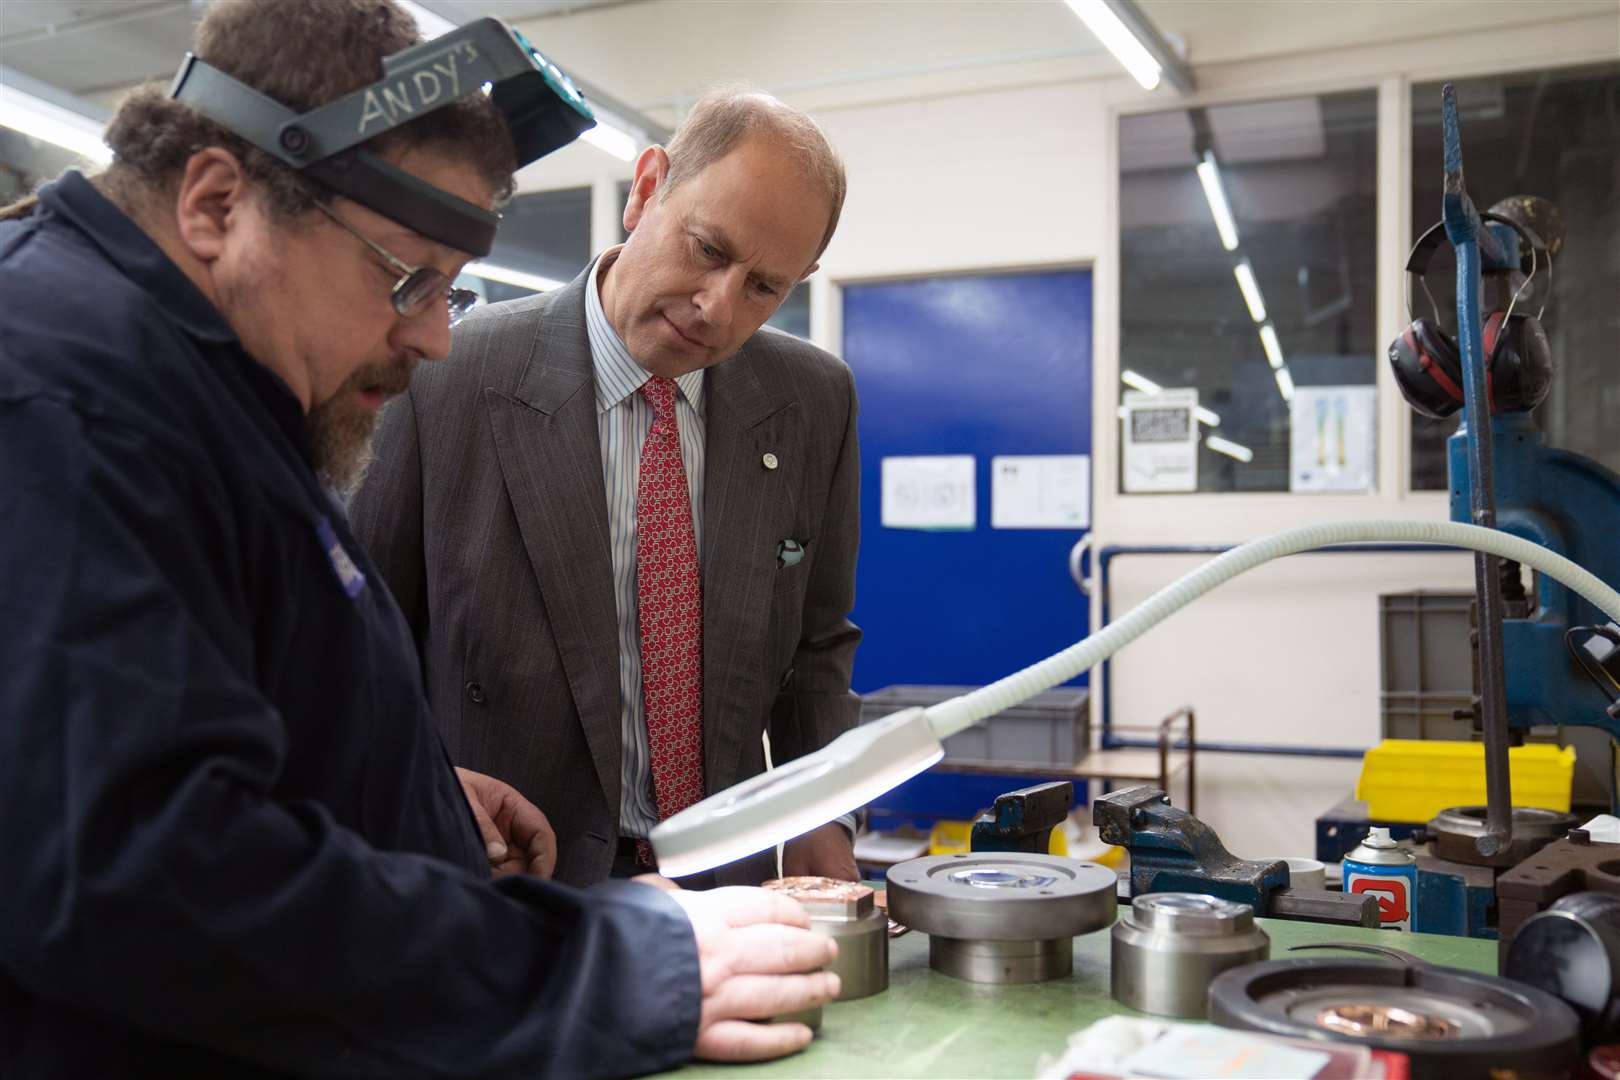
[863, 763]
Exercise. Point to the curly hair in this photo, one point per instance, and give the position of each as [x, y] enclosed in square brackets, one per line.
[302, 53]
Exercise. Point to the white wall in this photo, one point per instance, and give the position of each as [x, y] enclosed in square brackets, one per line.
[1022, 173]
[1284, 655]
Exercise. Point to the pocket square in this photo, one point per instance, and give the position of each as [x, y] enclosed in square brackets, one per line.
[788, 553]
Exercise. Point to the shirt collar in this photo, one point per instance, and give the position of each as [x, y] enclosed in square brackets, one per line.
[617, 373]
[130, 249]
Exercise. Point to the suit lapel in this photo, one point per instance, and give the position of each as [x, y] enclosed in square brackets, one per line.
[545, 432]
[744, 422]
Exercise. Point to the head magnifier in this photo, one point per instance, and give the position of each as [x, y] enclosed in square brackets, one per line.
[542, 108]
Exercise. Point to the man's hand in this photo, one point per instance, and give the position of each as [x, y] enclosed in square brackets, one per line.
[758, 959]
[824, 852]
[516, 834]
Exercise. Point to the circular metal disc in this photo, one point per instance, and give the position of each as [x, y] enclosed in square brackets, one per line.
[1448, 1021]
[1197, 914]
[1396, 1012]
[1456, 830]
[1003, 896]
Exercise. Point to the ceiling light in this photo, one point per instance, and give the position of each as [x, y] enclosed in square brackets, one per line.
[1251, 290]
[1285, 383]
[1229, 448]
[53, 124]
[613, 140]
[1274, 353]
[1139, 382]
[492, 272]
[1119, 40]
[1209, 175]
[430, 23]
[1206, 417]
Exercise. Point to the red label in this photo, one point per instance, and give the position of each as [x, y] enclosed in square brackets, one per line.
[1390, 893]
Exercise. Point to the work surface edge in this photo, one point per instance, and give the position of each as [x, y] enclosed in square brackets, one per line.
[930, 1025]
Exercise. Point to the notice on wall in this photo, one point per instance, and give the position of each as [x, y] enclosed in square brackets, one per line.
[1160, 441]
[1048, 491]
[1334, 442]
[929, 492]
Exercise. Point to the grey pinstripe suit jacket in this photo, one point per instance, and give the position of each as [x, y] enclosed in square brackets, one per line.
[486, 512]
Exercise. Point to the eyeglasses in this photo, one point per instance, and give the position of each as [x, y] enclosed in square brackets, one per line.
[418, 286]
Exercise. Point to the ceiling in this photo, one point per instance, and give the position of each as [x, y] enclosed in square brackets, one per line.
[657, 55]
[97, 50]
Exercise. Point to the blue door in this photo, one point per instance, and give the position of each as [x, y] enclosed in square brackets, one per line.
[987, 365]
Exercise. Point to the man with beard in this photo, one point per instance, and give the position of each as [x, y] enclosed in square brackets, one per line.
[234, 844]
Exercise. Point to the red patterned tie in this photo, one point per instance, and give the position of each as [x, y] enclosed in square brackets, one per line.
[669, 592]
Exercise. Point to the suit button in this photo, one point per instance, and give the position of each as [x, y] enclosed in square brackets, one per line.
[475, 693]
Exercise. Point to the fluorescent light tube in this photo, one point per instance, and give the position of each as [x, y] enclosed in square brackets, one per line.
[604, 136]
[1119, 40]
[1209, 175]
[1229, 448]
[1251, 290]
[1139, 382]
[492, 272]
[1274, 354]
[430, 23]
[53, 124]
[1285, 383]
[1206, 417]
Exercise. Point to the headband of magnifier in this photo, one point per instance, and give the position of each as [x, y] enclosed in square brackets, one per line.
[541, 106]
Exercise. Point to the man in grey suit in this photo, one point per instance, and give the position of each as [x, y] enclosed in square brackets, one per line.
[623, 520]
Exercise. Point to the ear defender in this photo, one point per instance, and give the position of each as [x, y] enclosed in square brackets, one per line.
[1427, 361]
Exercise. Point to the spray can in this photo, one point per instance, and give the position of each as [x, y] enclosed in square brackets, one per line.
[1382, 869]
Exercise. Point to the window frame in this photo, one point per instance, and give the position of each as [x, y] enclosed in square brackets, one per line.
[1391, 70]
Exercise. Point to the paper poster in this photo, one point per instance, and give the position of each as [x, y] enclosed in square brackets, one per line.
[929, 492]
[1160, 440]
[1049, 491]
[1334, 442]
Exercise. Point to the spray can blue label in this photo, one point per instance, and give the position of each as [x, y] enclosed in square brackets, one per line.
[1382, 869]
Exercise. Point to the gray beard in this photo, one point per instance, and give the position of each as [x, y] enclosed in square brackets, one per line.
[341, 442]
[341, 430]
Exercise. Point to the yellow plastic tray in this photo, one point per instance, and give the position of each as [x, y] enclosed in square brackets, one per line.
[955, 838]
[1415, 779]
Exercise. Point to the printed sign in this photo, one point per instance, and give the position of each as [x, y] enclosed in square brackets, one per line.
[1046, 491]
[1333, 445]
[929, 492]
[1160, 441]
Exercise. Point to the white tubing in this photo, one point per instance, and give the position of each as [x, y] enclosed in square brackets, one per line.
[949, 717]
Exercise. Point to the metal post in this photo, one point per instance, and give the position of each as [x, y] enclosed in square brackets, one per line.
[1471, 240]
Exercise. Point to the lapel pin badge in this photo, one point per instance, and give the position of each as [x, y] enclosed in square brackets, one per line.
[769, 460]
[788, 553]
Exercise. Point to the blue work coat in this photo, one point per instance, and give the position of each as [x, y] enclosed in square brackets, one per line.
[231, 843]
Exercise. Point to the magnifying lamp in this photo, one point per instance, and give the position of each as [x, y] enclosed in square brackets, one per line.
[790, 800]
[862, 764]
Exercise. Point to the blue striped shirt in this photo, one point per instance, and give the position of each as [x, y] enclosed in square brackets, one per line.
[623, 419]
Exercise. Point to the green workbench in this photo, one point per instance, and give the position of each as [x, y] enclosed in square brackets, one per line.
[928, 1024]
